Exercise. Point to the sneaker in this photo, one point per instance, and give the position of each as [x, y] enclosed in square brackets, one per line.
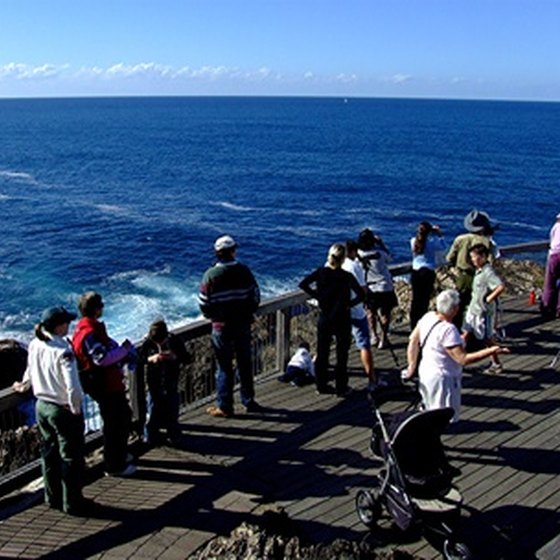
[374, 339]
[129, 470]
[218, 412]
[494, 368]
[383, 343]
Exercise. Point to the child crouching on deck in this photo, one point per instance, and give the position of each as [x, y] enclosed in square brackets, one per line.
[300, 370]
[479, 317]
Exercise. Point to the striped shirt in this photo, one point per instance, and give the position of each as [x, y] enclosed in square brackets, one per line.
[229, 293]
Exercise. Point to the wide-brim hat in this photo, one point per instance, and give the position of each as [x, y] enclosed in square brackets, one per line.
[477, 221]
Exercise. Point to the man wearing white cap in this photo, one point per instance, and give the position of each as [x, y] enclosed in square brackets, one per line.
[229, 296]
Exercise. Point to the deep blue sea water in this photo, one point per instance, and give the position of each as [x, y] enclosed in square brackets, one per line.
[126, 196]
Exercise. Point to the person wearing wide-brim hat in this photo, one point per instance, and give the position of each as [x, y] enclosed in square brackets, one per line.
[52, 373]
[477, 221]
[479, 228]
[550, 302]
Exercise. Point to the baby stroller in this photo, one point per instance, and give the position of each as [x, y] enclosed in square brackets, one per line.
[415, 484]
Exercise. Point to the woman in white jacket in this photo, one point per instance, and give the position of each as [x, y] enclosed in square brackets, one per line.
[53, 375]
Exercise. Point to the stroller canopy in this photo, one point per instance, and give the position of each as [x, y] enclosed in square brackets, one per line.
[416, 443]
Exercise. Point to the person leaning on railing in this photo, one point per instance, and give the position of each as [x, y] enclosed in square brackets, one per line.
[53, 375]
[100, 360]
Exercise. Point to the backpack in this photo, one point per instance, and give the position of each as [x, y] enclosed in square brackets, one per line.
[92, 381]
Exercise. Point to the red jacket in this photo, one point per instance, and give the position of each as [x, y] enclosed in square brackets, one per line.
[113, 376]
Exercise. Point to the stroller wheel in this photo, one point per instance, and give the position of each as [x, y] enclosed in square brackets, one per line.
[455, 550]
[368, 507]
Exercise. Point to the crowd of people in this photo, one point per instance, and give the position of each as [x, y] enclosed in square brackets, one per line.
[355, 295]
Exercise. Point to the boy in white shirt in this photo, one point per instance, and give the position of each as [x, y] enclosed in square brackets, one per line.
[479, 317]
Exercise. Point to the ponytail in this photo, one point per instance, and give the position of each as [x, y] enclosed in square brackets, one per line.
[40, 332]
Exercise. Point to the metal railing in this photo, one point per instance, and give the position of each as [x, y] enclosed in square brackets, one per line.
[281, 323]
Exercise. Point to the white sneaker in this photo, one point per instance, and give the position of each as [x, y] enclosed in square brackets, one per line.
[494, 368]
[374, 339]
[129, 470]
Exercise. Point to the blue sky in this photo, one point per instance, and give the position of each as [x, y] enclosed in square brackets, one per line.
[489, 49]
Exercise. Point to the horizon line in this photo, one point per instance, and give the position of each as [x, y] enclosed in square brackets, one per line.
[275, 96]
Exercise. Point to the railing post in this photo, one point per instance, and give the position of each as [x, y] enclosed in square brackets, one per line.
[282, 338]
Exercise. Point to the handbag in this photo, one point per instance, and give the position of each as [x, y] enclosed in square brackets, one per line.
[420, 349]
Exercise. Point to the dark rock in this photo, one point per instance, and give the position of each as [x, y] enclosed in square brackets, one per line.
[13, 361]
[275, 537]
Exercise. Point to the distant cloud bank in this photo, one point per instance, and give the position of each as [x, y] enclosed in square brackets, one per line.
[152, 78]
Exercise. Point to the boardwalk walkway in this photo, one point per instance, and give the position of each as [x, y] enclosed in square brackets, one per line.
[310, 455]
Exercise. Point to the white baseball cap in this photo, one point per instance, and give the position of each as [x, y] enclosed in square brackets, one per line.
[224, 242]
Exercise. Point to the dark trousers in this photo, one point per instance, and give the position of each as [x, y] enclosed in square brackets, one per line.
[422, 284]
[341, 331]
[116, 417]
[550, 299]
[164, 404]
[62, 454]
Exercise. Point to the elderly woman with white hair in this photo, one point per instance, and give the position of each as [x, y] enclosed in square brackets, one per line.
[336, 291]
[443, 355]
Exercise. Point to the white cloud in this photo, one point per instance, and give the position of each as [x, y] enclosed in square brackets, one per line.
[153, 78]
[142, 69]
[346, 78]
[399, 78]
[20, 71]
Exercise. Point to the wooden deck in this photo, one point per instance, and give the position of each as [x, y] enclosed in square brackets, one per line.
[310, 454]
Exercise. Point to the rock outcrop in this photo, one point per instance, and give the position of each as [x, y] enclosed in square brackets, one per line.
[275, 537]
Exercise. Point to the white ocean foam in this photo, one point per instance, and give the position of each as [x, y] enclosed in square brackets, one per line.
[5, 197]
[312, 231]
[132, 275]
[16, 326]
[112, 209]
[236, 207]
[19, 176]
[271, 286]
[135, 298]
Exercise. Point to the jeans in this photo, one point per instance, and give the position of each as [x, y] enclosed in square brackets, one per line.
[228, 342]
[62, 454]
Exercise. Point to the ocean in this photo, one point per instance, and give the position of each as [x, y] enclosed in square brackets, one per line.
[125, 196]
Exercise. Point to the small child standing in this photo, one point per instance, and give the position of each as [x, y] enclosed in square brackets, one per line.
[163, 354]
[300, 370]
[479, 317]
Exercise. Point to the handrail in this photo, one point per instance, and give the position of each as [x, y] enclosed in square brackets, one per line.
[280, 321]
[200, 327]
